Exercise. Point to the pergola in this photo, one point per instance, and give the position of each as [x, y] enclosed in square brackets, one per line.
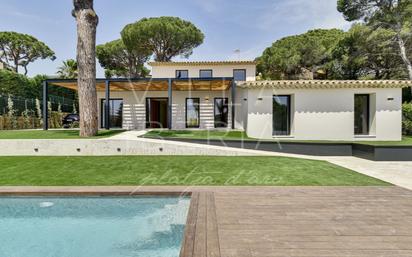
[145, 84]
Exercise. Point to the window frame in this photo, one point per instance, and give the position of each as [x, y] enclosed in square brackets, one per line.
[181, 71]
[209, 70]
[234, 70]
[214, 111]
[289, 118]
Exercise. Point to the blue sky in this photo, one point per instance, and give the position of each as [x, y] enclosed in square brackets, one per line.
[247, 25]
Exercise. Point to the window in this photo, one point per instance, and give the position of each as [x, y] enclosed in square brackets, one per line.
[361, 115]
[221, 112]
[192, 113]
[239, 75]
[281, 115]
[182, 74]
[205, 74]
[115, 111]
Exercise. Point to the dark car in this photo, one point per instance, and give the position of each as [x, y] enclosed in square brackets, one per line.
[71, 120]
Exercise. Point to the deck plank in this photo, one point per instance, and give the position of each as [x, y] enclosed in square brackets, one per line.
[200, 242]
[190, 228]
[213, 244]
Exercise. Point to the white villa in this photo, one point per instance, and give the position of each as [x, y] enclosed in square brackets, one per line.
[226, 95]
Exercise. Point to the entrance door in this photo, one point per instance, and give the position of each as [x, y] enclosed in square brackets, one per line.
[156, 112]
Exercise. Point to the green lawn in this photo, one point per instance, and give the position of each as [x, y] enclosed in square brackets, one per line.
[197, 134]
[51, 134]
[176, 170]
[406, 140]
[240, 135]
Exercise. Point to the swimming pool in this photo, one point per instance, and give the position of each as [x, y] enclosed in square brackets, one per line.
[92, 226]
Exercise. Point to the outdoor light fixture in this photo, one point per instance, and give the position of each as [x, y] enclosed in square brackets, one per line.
[207, 98]
[244, 99]
[390, 99]
[260, 98]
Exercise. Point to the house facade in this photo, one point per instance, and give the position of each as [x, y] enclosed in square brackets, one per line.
[226, 95]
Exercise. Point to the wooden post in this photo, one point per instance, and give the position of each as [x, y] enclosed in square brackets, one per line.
[233, 103]
[169, 104]
[107, 106]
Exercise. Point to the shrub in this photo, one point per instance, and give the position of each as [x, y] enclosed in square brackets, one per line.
[11, 113]
[407, 118]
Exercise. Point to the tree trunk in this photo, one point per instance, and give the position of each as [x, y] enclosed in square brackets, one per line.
[87, 21]
[404, 56]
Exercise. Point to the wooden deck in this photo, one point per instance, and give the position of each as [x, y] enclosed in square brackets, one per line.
[300, 221]
[282, 221]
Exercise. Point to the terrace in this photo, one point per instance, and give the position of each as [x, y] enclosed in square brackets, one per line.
[168, 85]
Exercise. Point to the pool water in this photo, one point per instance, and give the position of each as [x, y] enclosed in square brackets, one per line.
[92, 226]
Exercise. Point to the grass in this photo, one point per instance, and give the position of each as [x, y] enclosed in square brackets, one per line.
[197, 134]
[240, 135]
[51, 134]
[176, 170]
[406, 140]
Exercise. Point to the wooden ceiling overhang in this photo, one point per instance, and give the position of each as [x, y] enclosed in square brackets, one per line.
[195, 84]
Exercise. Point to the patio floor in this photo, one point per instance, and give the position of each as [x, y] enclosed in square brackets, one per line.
[285, 221]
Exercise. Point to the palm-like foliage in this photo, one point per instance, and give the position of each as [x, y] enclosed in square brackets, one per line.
[68, 70]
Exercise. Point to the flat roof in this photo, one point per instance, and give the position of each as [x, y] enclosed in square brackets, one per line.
[201, 63]
[324, 84]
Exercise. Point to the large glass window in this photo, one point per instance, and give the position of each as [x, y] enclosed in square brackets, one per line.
[281, 115]
[182, 74]
[115, 111]
[206, 74]
[239, 75]
[192, 112]
[221, 112]
[361, 115]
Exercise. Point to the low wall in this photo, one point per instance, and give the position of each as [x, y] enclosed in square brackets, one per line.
[101, 147]
[383, 153]
[370, 152]
[318, 149]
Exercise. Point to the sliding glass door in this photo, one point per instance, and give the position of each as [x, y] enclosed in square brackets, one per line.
[361, 115]
[156, 112]
[115, 111]
[221, 112]
[281, 115]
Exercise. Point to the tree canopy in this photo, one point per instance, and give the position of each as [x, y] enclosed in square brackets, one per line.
[393, 15]
[365, 53]
[165, 37]
[117, 60]
[294, 56]
[19, 50]
[68, 70]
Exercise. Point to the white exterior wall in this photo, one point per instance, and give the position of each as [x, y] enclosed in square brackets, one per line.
[218, 70]
[326, 114]
[134, 107]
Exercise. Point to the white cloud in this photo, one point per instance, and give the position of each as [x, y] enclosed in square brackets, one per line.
[209, 6]
[302, 13]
